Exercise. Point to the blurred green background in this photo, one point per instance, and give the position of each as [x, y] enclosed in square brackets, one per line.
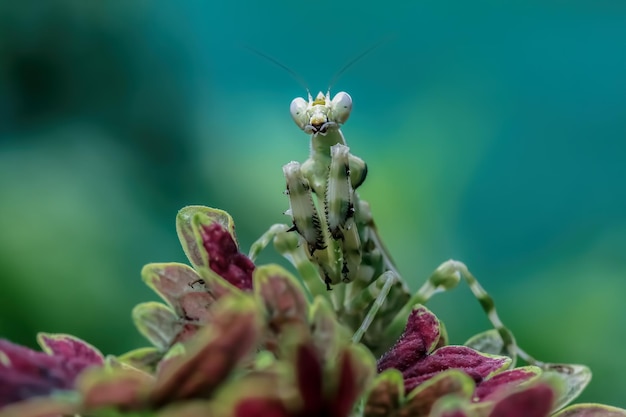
[494, 134]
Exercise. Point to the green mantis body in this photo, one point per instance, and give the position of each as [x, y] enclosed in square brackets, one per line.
[333, 238]
[335, 246]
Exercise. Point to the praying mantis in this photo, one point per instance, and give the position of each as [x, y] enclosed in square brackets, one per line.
[335, 246]
[333, 241]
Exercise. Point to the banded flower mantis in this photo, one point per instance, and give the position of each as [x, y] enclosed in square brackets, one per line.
[334, 244]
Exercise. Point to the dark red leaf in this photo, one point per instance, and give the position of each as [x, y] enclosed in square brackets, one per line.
[473, 363]
[504, 380]
[309, 371]
[420, 336]
[225, 258]
[71, 348]
[25, 373]
[348, 389]
[535, 401]
[261, 407]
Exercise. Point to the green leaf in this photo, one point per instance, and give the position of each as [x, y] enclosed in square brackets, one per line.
[423, 397]
[157, 323]
[112, 412]
[327, 333]
[212, 354]
[187, 409]
[187, 222]
[281, 293]
[574, 379]
[189, 294]
[505, 381]
[591, 410]
[487, 342]
[170, 280]
[145, 358]
[451, 406]
[385, 395]
[125, 388]
[284, 301]
[353, 372]
[41, 407]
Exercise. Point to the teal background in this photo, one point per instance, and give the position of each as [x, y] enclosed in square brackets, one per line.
[494, 134]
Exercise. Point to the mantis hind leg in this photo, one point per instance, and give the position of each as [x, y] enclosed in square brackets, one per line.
[389, 278]
[446, 277]
[266, 238]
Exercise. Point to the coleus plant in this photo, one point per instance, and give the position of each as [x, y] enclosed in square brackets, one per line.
[233, 338]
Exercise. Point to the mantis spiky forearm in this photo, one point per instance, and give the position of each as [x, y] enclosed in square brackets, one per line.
[306, 220]
[339, 195]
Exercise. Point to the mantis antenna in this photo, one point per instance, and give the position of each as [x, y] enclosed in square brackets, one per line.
[276, 62]
[335, 77]
[355, 60]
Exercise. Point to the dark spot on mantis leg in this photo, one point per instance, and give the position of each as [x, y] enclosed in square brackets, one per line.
[337, 233]
[318, 246]
[327, 281]
[344, 272]
[350, 212]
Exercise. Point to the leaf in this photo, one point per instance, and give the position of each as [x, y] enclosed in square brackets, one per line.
[591, 410]
[248, 395]
[574, 378]
[25, 373]
[356, 367]
[385, 394]
[451, 406]
[281, 293]
[172, 281]
[190, 295]
[69, 347]
[452, 382]
[261, 407]
[310, 377]
[144, 359]
[157, 323]
[125, 388]
[110, 412]
[284, 301]
[188, 234]
[326, 332]
[223, 254]
[40, 407]
[479, 366]
[187, 409]
[420, 337]
[208, 238]
[506, 380]
[212, 354]
[487, 342]
[534, 401]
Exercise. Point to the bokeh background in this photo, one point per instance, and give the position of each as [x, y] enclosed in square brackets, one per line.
[494, 134]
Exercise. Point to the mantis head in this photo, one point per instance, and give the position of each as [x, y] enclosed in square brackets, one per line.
[319, 115]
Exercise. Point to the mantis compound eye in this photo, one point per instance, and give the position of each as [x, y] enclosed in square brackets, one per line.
[298, 112]
[341, 106]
